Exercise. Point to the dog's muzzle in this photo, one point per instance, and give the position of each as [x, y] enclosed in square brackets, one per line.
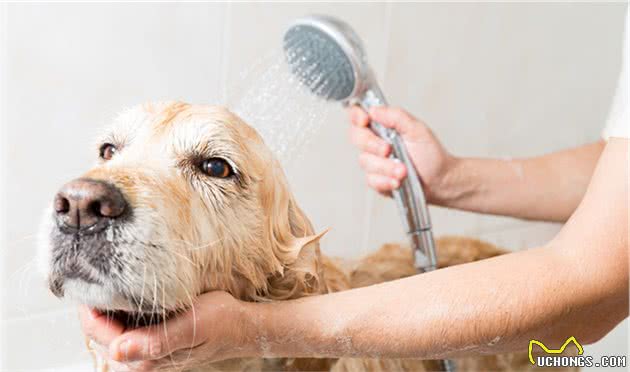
[85, 213]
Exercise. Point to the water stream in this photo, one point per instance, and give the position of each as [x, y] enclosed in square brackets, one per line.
[279, 106]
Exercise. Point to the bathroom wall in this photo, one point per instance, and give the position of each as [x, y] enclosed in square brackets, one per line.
[500, 80]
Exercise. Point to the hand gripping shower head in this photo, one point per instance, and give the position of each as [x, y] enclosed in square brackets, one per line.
[327, 56]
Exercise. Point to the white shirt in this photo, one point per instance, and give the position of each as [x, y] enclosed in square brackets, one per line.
[618, 124]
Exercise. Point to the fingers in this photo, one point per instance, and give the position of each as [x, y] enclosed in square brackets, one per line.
[395, 118]
[386, 167]
[382, 184]
[358, 117]
[390, 117]
[157, 341]
[369, 142]
[383, 174]
[99, 327]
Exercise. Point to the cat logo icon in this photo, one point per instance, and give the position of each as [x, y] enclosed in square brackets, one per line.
[554, 351]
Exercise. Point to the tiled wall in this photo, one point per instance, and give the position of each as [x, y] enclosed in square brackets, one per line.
[491, 79]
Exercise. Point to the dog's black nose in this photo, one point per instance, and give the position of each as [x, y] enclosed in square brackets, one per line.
[82, 203]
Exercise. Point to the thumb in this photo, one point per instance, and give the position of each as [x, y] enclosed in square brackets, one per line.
[157, 341]
[394, 118]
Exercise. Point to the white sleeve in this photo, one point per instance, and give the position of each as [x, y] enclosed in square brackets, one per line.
[618, 124]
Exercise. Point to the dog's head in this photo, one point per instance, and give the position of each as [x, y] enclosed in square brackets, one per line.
[184, 199]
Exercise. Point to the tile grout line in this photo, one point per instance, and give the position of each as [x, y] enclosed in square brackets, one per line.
[3, 142]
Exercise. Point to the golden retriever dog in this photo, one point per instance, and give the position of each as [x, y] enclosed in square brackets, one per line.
[187, 199]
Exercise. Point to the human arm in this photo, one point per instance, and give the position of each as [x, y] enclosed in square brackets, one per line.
[547, 187]
[577, 285]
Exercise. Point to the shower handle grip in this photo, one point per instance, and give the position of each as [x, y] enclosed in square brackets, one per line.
[409, 197]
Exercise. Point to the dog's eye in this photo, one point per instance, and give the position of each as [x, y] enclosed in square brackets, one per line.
[216, 167]
[107, 151]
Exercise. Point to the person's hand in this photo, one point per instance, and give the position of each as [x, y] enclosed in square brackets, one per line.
[429, 157]
[215, 328]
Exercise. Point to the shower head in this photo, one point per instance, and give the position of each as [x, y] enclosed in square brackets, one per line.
[328, 57]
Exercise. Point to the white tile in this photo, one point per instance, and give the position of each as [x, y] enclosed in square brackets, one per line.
[79, 367]
[489, 223]
[497, 79]
[615, 343]
[527, 235]
[50, 340]
[448, 221]
[3, 155]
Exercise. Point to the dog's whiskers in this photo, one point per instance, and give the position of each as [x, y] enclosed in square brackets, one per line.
[200, 247]
[184, 257]
[154, 302]
[144, 274]
[192, 247]
[194, 337]
[168, 347]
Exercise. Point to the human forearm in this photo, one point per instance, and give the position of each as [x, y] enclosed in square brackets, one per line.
[575, 286]
[548, 187]
[491, 306]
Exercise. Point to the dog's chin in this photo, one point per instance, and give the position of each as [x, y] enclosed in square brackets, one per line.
[111, 303]
[95, 295]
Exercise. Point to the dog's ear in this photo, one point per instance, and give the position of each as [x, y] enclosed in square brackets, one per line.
[305, 249]
[291, 237]
[303, 274]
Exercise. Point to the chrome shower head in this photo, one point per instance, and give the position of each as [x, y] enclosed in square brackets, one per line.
[328, 57]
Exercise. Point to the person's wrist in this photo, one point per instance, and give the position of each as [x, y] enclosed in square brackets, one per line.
[450, 185]
[249, 329]
[268, 332]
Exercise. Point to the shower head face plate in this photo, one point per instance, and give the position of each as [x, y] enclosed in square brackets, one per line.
[326, 56]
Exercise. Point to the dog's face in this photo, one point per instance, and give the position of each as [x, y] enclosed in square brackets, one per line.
[183, 199]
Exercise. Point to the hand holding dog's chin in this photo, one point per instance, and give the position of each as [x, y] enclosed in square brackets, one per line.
[217, 327]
